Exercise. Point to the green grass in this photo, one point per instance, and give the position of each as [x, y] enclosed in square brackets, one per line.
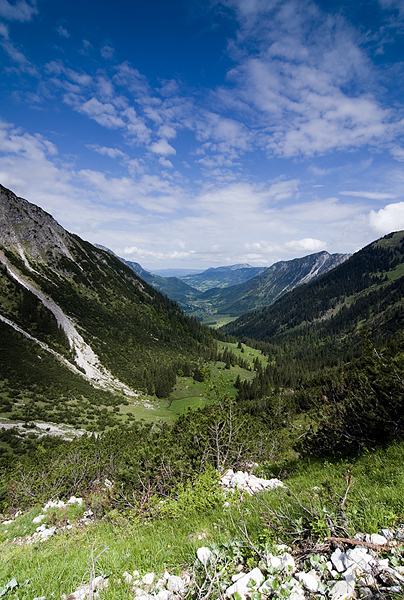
[375, 499]
[249, 354]
[83, 410]
[60, 565]
[220, 320]
[396, 273]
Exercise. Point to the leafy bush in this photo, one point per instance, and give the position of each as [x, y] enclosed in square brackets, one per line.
[201, 495]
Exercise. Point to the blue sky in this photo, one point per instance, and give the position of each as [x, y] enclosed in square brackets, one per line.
[197, 133]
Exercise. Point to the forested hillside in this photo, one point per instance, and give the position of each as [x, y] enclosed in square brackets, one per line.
[86, 310]
[320, 324]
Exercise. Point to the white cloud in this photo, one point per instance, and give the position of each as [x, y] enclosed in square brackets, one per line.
[237, 222]
[107, 52]
[17, 56]
[163, 147]
[370, 195]
[165, 163]
[111, 152]
[307, 244]
[130, 78]
[143, 254]
[62, 31]
[228, 133]
[292, 82]
[165, 131]
[56, 67]
[283, 190]
[4, 31]
[397, 152]
[20, 11]
[135, 126]
[387, 219]
[104, 114]
[105, 89]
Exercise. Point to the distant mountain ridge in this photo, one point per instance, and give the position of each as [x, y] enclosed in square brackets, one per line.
[222, 277]
[260, 286]
[272, 283]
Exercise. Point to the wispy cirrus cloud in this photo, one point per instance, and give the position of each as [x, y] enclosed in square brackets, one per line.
[111, 152]
[370, 195]
[62, 31]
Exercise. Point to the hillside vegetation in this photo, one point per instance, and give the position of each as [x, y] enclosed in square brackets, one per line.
[320, 324]
[74, 311]
[315, 400]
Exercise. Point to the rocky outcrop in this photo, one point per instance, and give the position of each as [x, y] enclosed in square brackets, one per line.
[245, 481]
[30, 229]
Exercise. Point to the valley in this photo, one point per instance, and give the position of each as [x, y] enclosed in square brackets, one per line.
[219, 295]
[111, 392]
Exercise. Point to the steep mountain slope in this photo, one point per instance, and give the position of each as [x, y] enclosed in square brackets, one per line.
[319, 323]
[222, 277]
[86, 308]
[265, 288]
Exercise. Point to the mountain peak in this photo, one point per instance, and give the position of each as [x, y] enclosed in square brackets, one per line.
[30, 230]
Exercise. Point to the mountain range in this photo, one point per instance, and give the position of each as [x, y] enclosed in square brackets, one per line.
[238, 289]
[79, 327]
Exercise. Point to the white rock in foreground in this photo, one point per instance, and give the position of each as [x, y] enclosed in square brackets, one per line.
[175, 584]
[378, 540]
[39, 519]
[148, 578]
[83, 591]
[343, 590]
[308, 580]
[242, 586]
[337, 559]
[203, 555]
[244, 481]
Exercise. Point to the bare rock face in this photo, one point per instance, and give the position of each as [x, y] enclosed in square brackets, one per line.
[30, 229]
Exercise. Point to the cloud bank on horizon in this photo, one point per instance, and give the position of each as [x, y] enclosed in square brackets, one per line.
[201, 134]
